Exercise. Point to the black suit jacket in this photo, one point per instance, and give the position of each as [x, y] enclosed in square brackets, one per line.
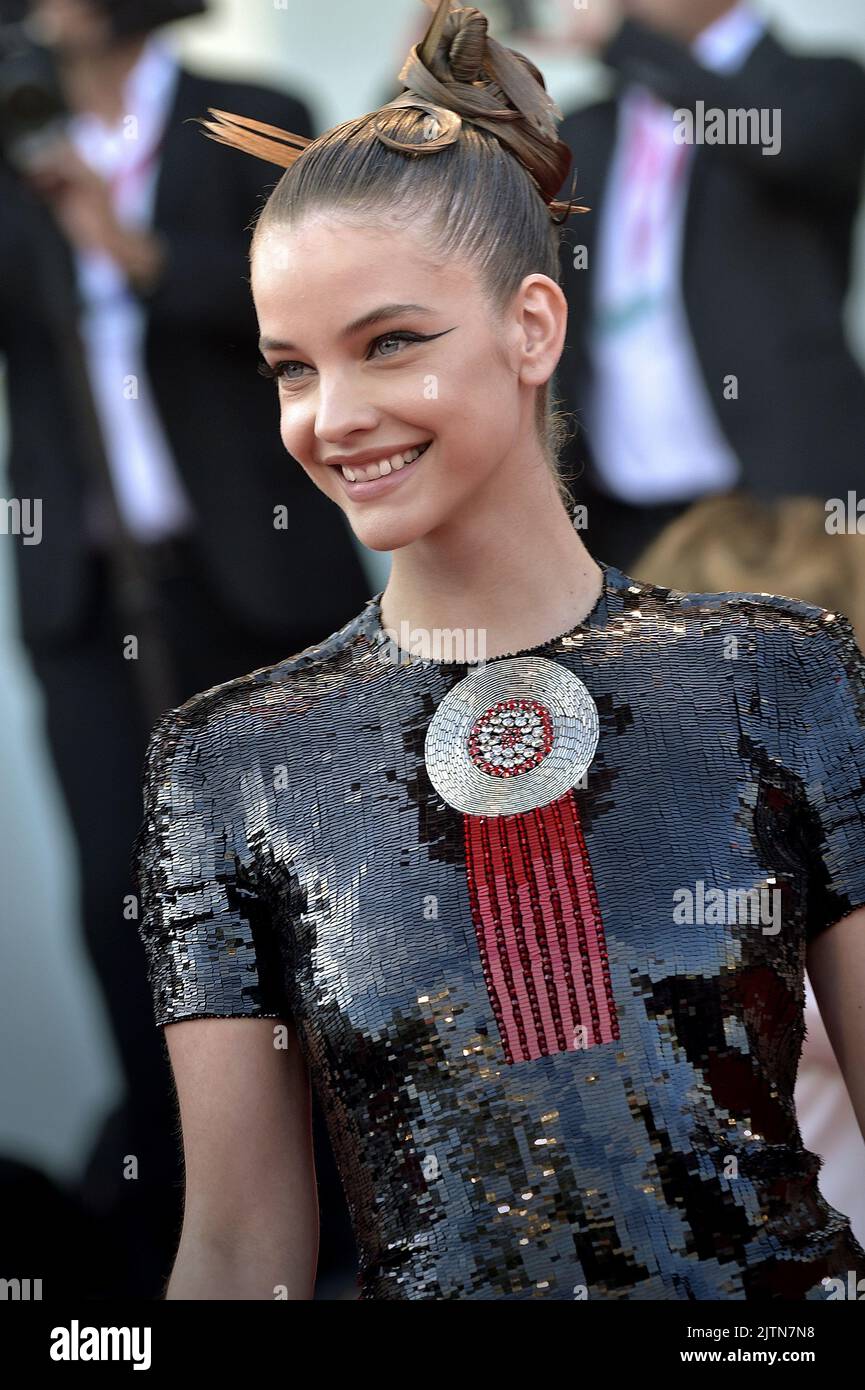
[766, 258]
[220, 415]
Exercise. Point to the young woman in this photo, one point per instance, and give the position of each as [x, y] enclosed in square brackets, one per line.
[532, 914]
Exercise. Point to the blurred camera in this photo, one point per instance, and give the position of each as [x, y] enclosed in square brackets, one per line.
[32, 103]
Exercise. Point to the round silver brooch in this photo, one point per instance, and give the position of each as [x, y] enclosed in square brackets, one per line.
[512, 736]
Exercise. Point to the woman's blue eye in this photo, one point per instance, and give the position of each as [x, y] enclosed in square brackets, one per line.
[401, 335]
[397, 337]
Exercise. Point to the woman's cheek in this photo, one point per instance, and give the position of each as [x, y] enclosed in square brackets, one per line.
[288, 428]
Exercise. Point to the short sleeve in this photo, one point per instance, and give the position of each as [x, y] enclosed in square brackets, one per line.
[210, 945]
[831, 764]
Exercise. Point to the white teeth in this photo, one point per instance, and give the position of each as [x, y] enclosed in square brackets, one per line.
[381, 468]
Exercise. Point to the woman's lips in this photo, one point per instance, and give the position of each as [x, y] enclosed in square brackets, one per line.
[374, 487]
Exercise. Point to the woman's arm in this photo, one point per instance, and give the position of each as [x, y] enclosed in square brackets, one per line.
[836, 966]
[250, 1225]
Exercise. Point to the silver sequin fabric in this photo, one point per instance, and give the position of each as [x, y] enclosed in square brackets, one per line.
[295, 862]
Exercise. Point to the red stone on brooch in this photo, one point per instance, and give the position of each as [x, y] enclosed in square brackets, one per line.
[511, 737]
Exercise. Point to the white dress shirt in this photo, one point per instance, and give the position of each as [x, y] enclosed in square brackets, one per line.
[150, 494]
[652, 428]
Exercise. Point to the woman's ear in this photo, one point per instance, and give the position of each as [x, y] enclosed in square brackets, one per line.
[543, 318]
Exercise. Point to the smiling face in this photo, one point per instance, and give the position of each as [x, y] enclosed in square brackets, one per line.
[439, 371]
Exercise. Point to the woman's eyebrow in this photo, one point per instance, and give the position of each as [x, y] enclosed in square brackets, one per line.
[385, 311]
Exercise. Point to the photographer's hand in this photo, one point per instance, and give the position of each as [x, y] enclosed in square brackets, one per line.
[80, 201]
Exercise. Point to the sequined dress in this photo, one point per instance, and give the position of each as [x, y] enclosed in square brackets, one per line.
[581, 1087]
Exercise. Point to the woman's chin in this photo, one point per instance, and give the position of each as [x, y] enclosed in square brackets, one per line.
[381, 531]
[386, 533]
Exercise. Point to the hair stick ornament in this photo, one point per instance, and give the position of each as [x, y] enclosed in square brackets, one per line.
[268, 142]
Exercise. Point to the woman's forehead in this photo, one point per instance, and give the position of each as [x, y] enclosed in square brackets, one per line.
[342, 236]
[353, 263]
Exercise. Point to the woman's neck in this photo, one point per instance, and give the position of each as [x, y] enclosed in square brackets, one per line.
[511, 586]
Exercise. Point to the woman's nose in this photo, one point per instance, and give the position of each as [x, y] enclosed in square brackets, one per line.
[342, 407]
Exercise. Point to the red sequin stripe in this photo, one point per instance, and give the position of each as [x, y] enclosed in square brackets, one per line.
[496, 932]
[539, 930]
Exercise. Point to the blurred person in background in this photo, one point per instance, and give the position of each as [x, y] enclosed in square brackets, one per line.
[732, 544]
[706, 348]
[149, 224]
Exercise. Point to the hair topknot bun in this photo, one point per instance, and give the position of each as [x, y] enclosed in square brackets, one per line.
[460, 72]
[457, 73]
